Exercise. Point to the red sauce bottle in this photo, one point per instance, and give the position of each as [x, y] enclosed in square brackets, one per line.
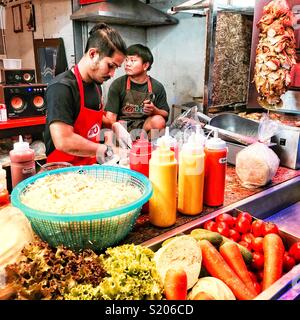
[139, 157]
[22, 162]
[215, 171]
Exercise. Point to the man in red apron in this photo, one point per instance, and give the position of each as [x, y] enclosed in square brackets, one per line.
[137, 98]
[74, 101]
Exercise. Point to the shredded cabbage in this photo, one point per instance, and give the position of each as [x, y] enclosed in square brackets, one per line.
[75, 193]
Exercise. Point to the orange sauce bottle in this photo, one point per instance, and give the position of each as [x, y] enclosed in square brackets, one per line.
[191, 176]
[163, 176]
[215, 171]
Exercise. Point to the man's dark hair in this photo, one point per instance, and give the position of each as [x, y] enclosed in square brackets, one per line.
[142, 52]
[106, 39]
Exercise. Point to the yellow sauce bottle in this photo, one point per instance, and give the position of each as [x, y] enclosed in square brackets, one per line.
[163, 175]
[191, 176]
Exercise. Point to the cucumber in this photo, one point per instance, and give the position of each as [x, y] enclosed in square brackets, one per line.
[214, 238]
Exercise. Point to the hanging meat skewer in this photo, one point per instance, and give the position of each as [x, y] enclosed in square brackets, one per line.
[275, 53]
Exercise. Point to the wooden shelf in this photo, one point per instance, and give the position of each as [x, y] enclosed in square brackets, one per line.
[24, 122]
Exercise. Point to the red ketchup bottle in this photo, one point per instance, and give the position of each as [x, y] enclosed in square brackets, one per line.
[22, 162]
[139, 157]
[215, 171]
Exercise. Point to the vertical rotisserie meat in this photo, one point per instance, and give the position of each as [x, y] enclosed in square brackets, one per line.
[275, 52]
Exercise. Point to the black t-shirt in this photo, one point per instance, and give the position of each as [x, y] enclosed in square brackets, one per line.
[117, 93]
[63, 102]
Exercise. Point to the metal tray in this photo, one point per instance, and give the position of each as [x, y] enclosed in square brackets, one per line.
[279, 204]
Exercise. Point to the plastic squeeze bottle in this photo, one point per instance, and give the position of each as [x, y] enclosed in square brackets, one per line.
[139, 157]
[191, 175]
[22, 162]
[215, 170]
[163, 175]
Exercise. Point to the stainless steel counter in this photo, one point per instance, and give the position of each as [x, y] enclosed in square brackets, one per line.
[280, 204]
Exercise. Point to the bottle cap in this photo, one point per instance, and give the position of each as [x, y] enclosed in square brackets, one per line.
[21, 145]
[194, 145]
[163, 143]
[215, 143]
[172, 142]
[163, 154]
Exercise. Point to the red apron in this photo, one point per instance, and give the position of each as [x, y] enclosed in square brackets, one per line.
[87, 125]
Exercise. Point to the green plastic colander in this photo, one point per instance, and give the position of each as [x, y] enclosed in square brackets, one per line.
[93, 230]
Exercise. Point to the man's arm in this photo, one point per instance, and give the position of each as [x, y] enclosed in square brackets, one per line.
[64, 139]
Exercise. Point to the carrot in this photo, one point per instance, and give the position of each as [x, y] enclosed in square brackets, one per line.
[273, 259]
[175, 284]
[215, 264]
[232, 255]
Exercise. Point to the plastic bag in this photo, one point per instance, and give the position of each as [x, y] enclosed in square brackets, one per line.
[267, 128]
[257, 164]
[186, 123]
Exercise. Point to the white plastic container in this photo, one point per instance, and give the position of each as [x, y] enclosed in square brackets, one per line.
[12, 63]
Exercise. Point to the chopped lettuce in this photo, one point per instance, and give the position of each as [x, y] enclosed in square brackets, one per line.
[126, 272]
[47, 273]
[132, 274]
[83, 292]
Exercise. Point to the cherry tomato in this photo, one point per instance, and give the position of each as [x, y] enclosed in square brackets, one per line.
[234, 220]
[210, 225]
[245, 244]
[257, 244]
[243, 225]
[248, 237]
[257, 228]
[270, 227]
[234, 235]
[257, 261]
[294, 251]
[227, 218]
[222, 228]
[246, 215]
[288, 262]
